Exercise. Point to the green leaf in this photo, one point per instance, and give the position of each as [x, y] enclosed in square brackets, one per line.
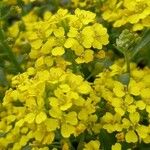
[145, 40]
[106, 139]
[28, 147]
[124, 78]
[2, 134]
[3, 80]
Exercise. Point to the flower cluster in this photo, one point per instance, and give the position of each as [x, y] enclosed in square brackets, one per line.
[128, 107]
[41, 104]
[59, 87]
[135, 12]
[57, 38]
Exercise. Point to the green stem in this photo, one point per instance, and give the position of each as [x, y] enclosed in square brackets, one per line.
[81, 142]
[128, 63]
[89, 76]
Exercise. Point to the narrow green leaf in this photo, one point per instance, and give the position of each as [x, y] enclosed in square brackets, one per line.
[106, 139]
[145, 40]
[3, 80]
[124, 78]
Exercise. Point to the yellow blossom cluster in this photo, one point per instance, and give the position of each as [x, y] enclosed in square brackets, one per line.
[128, 106]
[41, 104]
[57, 38]
[49, 105]
[17, 32]
[121, 12]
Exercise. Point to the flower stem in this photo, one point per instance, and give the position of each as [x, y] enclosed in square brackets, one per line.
[127, 62]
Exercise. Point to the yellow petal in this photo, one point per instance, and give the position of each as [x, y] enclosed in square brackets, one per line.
[30, 117]
[84, 88]
[65, 87]
[67, 130]
[23, 141]
[36, 44]
[20, 123]
[140, 104]
[148, 108]
[71, 118]
[40, 117]
[58, 51]
[46, 48]
[131, 137]
[59, 32]
[69, 42]
[145, 93]
[48, 139]
[51, 124]
[134, 117]
[83, 115]
[117, 146]
[55, 112]
[39, 62]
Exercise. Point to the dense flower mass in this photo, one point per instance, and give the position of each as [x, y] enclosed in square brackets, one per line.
[40, 103]
[58, 36]
[135, 12]
[69, 80]
[128, 106]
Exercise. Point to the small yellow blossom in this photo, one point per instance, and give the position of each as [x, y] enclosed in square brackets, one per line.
[40, 117]
[92, 145]
[116, 146]
[131, 137]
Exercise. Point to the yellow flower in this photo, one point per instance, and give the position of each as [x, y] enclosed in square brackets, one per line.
[118, 89]
[148, 108]
[67, 130]
[23, 141]
[47, 46]
[85, 57]
[145, 93]
[142, 131]
[85, 16]
[40, 117]
[83, 115]
[30, 117]
[39, 62]
[134, 117]
[36, 44]
[92, 145]
[58, 51]
[84, 88]
[55, 112]
[14, 29]
[49, 138]
[131, 137]
[65, 146]
[141, 105]
[71, 118]
[116, 146]
[51, 124]
[73, 32]
[126, 11]
[88, 36]
[100, 36]
[59, 32]
[134, 88]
